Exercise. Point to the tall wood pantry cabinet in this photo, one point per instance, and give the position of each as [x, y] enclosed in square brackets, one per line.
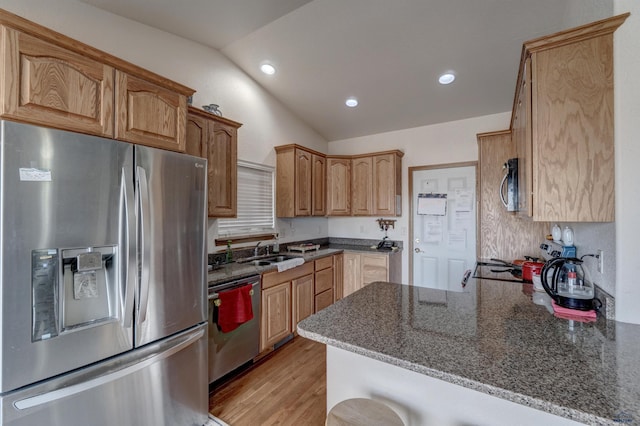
[562, 125]
[216, 139]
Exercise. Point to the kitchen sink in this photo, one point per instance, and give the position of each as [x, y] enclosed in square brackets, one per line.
[265, 261]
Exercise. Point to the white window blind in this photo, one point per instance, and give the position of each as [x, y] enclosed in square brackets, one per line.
[255, 202]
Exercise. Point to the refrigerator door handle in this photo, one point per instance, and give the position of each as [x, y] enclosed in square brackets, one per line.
[127, 243]
[64, 392]
[145, 243]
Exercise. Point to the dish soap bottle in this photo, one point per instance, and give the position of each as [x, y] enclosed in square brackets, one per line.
[229, 258]
[276, 244]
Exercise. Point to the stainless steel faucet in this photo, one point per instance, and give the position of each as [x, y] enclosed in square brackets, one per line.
[255, 250]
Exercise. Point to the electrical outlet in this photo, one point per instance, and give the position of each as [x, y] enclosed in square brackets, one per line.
[600, 261]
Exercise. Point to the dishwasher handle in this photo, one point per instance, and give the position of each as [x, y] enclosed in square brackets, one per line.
[214, 291]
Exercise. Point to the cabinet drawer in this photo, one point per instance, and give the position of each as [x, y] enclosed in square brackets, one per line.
[269, 279]
[325, 262]
[324, 280]
[324, 299]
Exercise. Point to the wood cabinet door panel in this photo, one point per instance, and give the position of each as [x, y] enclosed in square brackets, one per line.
[48, 85]
[339, 186]
[222, 157]
[573, 153]
[303, 176]
[384, 174]
[148, 114]
[318, 185]
[361, 186]
[197, 131]
[352, 275]
[276, 315]
[303, 299]
[374, 268]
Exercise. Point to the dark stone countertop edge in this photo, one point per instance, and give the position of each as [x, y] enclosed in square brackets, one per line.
[497, 392]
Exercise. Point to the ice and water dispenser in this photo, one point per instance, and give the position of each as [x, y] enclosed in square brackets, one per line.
[71, 289]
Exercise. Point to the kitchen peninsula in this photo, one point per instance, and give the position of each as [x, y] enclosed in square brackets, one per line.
[483, 355]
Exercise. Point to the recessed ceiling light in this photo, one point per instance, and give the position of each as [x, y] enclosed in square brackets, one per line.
[446, 78]
[268, 69]
[351, 102]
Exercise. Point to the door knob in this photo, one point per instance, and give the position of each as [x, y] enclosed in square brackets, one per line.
[417, 250]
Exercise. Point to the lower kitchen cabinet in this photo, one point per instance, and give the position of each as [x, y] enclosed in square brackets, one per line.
[287, 298]
[302, 299]
[361, 269]
[275, 322]
[324, 285]
[338, 276]
[290, 296]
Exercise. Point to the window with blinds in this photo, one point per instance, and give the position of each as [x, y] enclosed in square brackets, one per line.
[256, 213]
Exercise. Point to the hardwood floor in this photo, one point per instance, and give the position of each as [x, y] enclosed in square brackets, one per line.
[286, 388]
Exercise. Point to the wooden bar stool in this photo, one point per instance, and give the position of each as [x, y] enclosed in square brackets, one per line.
[362, 412]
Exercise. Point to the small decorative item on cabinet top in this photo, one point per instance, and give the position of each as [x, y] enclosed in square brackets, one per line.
[213, 109]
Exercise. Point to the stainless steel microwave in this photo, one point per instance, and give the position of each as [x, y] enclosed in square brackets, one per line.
[509, 185]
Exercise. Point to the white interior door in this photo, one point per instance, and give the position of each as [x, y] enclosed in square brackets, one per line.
[444, 226]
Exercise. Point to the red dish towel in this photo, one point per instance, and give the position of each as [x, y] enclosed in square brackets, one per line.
[573, 314]
[235, 308]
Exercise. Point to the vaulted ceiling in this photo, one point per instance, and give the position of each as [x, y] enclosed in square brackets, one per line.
[386, 53]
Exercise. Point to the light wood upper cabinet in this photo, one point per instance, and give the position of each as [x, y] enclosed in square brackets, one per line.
[387, 184]
[300, 182]
[52, 86]
[361, 186]
[149, 114]
[52, 80]
[376, 184]
[318, 185]
[338, 186]
[222, 157]
[571, 166]
[311, 184]
[216, 139]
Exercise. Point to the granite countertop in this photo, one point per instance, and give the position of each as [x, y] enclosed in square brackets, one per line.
[233, 271]
[492, 338]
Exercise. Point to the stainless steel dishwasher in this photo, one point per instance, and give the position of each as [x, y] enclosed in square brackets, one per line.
[228, 351]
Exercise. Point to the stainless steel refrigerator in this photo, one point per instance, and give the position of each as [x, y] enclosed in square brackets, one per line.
[102, 282]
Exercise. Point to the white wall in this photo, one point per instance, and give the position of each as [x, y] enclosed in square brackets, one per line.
[267, 122]
[451, 142]
[627, 133]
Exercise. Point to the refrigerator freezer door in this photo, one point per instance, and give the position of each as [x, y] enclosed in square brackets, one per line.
[161, 384]
[171, 213]
[60, 233]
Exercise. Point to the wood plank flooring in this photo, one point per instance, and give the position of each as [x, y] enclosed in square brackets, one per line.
[286, 388]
